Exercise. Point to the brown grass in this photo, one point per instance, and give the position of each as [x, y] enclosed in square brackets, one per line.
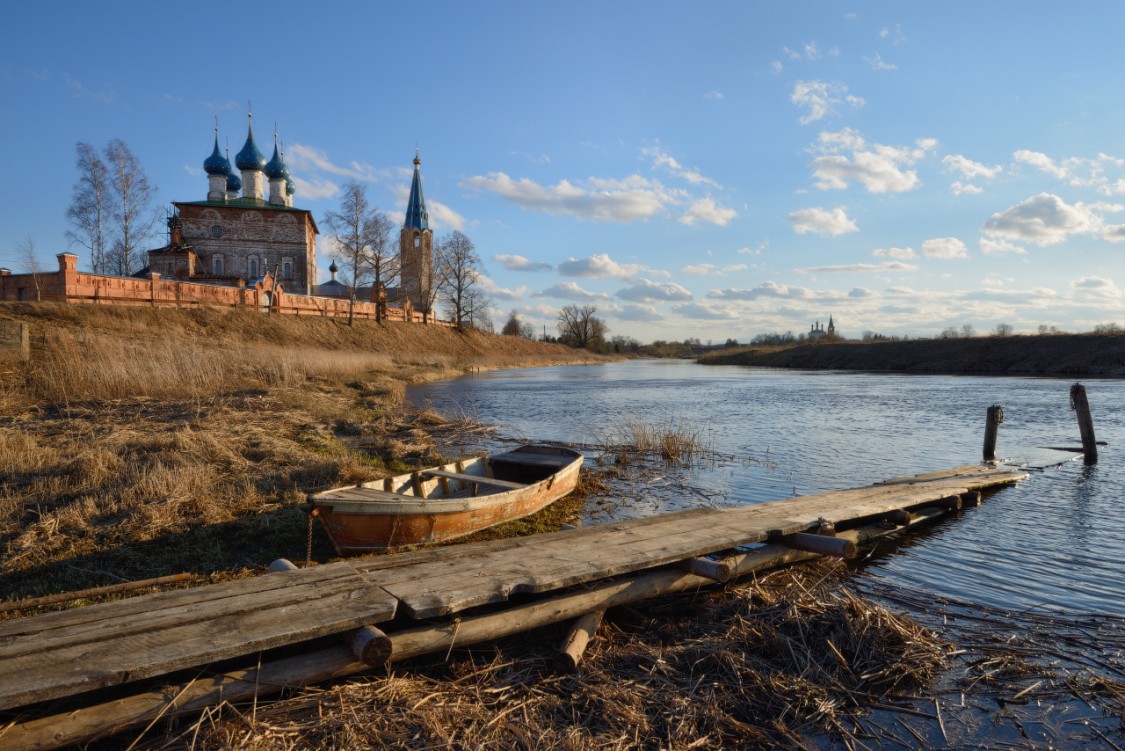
[139, 443]
[768, 664]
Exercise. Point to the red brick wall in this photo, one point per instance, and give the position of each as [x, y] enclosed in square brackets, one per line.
[71, 286]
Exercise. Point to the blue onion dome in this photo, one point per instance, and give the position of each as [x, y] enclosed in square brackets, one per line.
[333, 268]
[275, 168]
[290, 188]
[234, 183]
[216, 164]
[250, 158]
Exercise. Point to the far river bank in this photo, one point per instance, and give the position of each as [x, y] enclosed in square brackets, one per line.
[1064, 355]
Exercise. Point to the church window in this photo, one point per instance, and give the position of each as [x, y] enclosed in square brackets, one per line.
[216, 230]
[287, 270]
[217, 265]
[169, 269]
[253, 268]
[417, 241]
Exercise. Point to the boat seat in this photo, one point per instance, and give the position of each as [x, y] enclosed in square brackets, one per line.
[478, 479]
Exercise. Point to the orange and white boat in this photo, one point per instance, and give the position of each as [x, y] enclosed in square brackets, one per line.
[446, 502]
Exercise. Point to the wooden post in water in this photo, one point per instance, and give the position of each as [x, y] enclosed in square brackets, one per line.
[1081, 408]
[991, 427]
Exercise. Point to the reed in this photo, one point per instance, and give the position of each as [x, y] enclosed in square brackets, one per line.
[675, 443]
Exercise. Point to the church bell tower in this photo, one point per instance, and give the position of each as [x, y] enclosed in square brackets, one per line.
[416, 247]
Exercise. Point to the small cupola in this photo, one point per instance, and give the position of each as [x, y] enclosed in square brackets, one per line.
[217, 168]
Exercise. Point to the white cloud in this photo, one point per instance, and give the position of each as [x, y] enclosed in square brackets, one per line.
[661, 159]
[1095, 287]
[945, 248]
[879, 168]
[193, 171]
[821, 98]
[822, 222]
[900, 253]
[1042, 162]
[1044, 219]
[314, 188]
[514, 262]
[599, 266]
[649, 291]
[959, 188]
[969, 169]
[770, 289]
[1114, 233]
[704, 312]
[851, 268]
[776, 67]
[641, 313]
[711, 269]
[992, 247]
[715, 95]
[862, 293]
[605, 200]
[706, 210]
[444, 217]
[571, 291]
[748, 251]
[496, 292]
[877, 63]
[1077, 172]
[302, 158]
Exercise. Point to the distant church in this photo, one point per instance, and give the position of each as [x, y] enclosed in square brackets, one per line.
[230, 236]
[816, 331]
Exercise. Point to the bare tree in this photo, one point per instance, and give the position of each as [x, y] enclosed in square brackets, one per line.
[458, 276]
[361, 245]
[478, 309]
[26, 248]
[968, 331]
[579, 327]
[512, 326]
[132, 213]
[1002, 329]
[89, 210]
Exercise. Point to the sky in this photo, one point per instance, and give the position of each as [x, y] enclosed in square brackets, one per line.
[708, 170]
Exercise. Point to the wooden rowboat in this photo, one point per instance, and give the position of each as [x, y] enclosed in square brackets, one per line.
[442, 503]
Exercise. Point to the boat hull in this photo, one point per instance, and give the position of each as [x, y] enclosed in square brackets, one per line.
[364, 525]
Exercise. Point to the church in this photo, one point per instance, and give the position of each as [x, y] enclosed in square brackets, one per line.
[239, 232]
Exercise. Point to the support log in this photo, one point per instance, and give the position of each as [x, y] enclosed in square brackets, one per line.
[1081, 407]
[99, 721]
[971, 499]
[839, 547]
[992, 420]
[568, 658]
[714, 570]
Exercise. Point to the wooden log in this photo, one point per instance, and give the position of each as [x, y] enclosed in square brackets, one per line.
[368, 644]
[1081, 407]
[109, 589]
[971, 499]
[102, 720]
[901, 518]
[583, 629]
[714, 570]
[951, 502]
[992, 420]
[822, 544]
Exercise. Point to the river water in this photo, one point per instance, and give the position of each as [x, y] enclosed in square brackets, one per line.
[1055, 542]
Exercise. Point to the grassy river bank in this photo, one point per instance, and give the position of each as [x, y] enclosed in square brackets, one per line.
[142, 443]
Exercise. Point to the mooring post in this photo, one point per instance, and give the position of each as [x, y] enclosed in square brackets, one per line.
[1081, 408]
[991, 427]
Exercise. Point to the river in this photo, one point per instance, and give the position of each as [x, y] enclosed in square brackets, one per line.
[1055, 542]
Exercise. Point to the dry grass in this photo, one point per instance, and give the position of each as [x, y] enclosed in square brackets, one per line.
[770, 664]
[139, 443]
[674, 443]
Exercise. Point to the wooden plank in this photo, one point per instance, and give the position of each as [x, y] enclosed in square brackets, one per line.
[67, 670]
[360, 493]
[473, 478]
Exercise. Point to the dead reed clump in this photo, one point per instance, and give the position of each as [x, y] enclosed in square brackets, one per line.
[775, 664]
[634, 438]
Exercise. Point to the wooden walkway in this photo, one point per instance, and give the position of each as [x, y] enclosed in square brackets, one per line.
[71, 651]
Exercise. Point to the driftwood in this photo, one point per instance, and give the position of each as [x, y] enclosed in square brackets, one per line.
[109, 589]
[102, 720]
[583, 629]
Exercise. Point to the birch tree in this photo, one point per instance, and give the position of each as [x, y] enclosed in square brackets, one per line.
[133, 217]
[459, 277]
[89, 210]
[361, 243]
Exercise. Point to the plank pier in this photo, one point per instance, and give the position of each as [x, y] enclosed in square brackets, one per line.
[61, 654]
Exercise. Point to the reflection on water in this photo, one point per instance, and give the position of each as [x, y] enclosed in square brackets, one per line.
[1055, 541]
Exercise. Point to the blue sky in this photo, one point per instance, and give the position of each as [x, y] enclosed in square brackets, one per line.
[706, 170]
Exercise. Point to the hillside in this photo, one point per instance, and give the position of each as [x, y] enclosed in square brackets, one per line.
[140, 442]
[1059, 355]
